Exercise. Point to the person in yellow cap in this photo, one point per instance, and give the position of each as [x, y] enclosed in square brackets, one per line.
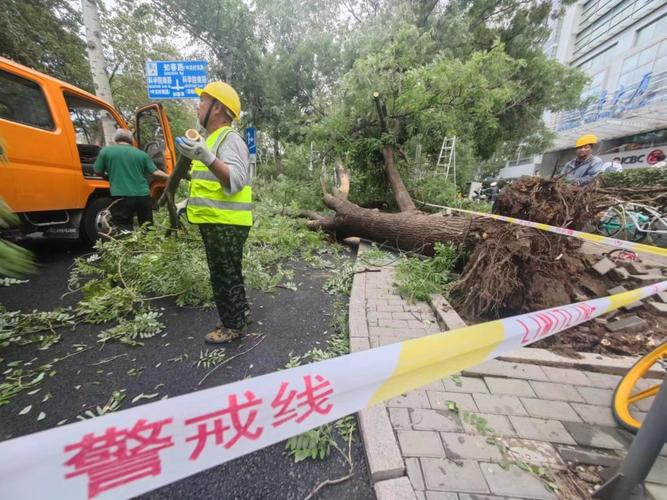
[220, 202]
[586, 166]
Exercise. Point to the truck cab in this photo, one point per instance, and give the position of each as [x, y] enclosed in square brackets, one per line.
[52, 133]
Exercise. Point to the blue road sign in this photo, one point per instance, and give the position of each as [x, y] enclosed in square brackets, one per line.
[250, 140]
[175, 79]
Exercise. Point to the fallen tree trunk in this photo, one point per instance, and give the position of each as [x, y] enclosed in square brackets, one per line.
[168, 196]
[411, 231]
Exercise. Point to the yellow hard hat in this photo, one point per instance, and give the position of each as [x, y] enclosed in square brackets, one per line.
[224, 93]
[584, 140]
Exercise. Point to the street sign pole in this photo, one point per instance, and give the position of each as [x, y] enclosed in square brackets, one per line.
[251, 141]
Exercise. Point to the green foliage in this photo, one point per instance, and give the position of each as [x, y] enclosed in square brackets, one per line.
[211, 358]
[112, 404]
[418, 279]
[103, 301]
[43, 34]
[313, 444]
[15, 261]
[35, 327]
[636, 177]
[143, 325]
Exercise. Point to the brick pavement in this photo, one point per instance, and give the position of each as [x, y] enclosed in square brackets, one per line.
[476, 434]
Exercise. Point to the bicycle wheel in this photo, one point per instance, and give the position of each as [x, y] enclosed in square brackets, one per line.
[627, 393]
[610, 223]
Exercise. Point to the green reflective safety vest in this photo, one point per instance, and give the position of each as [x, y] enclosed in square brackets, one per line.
[208, 203]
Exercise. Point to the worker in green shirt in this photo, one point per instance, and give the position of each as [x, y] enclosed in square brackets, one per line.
[127, 169]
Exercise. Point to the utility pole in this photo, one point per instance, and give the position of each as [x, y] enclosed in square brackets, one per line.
[91, 21]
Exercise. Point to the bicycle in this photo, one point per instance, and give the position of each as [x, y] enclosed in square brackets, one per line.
[635, 387]
[633, 222]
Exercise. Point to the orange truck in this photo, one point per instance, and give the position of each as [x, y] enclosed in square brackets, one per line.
[52, 132]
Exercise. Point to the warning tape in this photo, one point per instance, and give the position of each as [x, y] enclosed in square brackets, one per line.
[595, 238]
[137, 450]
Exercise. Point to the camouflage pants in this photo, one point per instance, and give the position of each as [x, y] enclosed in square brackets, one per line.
[224, 253]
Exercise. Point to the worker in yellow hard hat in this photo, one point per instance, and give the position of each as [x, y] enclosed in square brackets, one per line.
[586, 166]
[220, 202]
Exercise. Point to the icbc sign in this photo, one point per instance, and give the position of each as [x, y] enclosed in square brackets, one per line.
[655, 156]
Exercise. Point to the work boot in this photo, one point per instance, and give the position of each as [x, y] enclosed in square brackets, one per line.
[223, 335]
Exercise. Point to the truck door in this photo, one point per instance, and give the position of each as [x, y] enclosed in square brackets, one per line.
[154, 137]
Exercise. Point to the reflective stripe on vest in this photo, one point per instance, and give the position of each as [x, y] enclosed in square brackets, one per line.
[208, 202]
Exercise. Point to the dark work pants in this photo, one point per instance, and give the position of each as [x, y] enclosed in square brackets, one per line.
[125, 208]
[224, 252]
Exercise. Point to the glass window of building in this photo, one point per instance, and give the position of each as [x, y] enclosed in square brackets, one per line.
[652, 32]
[652, 59]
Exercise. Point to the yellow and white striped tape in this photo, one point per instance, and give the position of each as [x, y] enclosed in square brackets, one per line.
[595, 238]
[137, 450]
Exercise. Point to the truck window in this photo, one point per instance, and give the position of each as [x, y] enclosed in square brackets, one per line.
[94, 127]
[150, 136]
[23, 101]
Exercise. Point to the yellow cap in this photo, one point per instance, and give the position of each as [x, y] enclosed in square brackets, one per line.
[585, 140]
[224, 93]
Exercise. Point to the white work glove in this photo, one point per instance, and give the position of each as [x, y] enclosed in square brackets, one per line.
[195, 150]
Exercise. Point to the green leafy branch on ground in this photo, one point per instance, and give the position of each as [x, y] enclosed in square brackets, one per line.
[418, 278]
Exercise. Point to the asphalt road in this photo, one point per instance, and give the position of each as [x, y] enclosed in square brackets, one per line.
[293, 321]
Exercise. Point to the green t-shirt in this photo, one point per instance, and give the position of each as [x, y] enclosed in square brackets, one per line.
[126, 167]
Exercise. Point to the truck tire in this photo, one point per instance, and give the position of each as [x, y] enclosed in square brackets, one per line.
[91, 223]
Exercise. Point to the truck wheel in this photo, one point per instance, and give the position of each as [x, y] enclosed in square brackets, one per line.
[92, 224]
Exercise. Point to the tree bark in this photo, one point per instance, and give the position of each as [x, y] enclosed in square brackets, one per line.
[410, 231]
[180, 172]
[277, 157]
[401, 195]
[91, 21]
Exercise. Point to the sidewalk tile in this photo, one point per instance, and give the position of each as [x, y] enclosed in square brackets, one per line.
[465, 384]
[401, 324]
[436, 420]
[598, 415]
[596, 395]
[543, 408]
[556, 392]
[400, 418]
[441, 495]
[511, 386]
[420, 444]
[596, 436]
[395, 489]
[413, 399]
[469, 447]
[465, 496]
[359, 344]
[658, 472]
[499, 404]
[514, 482]
[374, 316]
[439, 400]
[415, 473]
[389, 308]
[434, 386]
[541, 430]
[603, 380]
[446, 475]
[532, 452]
[499, 424]
[566, 376]
[495, 368]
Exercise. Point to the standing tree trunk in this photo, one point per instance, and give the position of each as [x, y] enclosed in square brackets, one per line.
[91, 21]
[277, 156]
[401, 195]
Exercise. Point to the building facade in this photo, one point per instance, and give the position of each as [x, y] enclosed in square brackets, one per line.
[622, 46]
